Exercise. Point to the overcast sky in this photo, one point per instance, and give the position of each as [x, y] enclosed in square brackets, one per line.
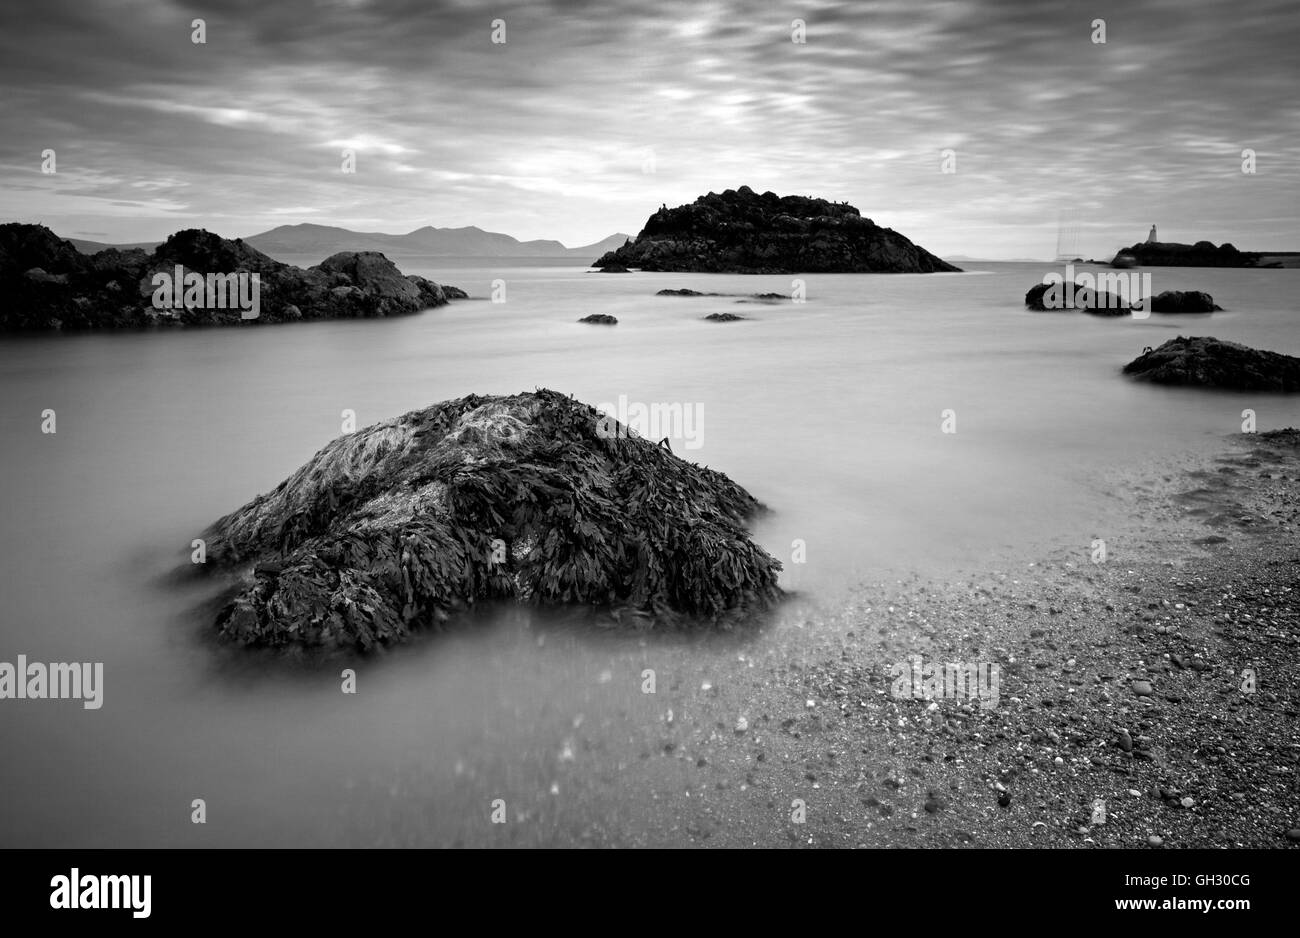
[592, 114]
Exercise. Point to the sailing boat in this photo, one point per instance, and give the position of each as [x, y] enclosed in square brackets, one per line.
[1067, 236]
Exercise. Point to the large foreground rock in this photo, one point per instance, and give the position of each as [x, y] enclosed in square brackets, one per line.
[740, 231]
[45, 283]
[534, 497]
[1209, 362]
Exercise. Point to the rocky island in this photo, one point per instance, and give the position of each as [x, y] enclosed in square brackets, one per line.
[740, 231]
[46, 283]
[1200, 254]
[535, 497]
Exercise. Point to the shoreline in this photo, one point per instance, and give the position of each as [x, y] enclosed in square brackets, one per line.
[803, 722]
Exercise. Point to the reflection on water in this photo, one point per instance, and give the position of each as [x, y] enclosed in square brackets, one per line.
[829, 412]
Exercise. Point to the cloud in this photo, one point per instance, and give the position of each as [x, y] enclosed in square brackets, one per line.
[547, 134]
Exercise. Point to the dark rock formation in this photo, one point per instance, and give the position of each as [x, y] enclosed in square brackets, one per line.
[740, 231]
[724, 317]
[1209, 362]
[535, 497]
[613, 269]
[46, 283]
[1200, 254]
[1180, 301]
[685, 292]
[1096, 302]
[600, 319]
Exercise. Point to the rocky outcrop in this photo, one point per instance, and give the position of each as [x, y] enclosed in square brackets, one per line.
[739, 231]
[1200, 254]
[1081, 299]
[45, 283]
[600, 319]
[1209, 362]
[536, 498]
[748, 297]
[1184, 301]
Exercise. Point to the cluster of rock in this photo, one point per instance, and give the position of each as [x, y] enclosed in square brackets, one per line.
[600, 319]
[535, 497]
[1210, 362]
[740, 231]
[1104, 303]
[765, 297]
[1200, 254]
[46, 283]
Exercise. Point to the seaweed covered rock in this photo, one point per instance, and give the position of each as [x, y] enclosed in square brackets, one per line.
[535, 497]
[1209, 362]
[45, 283]
[740, 231]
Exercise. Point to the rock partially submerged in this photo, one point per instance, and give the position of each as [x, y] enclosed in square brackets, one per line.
[724, 317]
[600, 319]
[1209, 362]
[1184, 301]
[46, 283]
[748, 297]
[535, 497]
[1082, 299]
[740, 231]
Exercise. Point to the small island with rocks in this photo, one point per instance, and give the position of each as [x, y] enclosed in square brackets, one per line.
[740, 231]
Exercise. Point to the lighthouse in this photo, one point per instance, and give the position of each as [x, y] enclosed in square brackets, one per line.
[1151, 238]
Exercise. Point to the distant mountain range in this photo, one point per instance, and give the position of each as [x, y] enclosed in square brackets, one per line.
[94, 247]
[962, 258]
[324, 240]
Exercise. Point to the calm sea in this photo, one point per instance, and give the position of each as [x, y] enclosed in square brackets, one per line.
[830, 411]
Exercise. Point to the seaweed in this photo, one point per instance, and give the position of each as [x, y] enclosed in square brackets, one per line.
[398, 526]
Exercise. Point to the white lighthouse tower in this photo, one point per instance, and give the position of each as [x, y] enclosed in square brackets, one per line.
[1151, 238]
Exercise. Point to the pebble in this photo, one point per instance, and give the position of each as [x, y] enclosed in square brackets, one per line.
[1125, 741]
[741, 725]
[1187, 802]
[1293, 835]
[1142, 688]
[1155, 840]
